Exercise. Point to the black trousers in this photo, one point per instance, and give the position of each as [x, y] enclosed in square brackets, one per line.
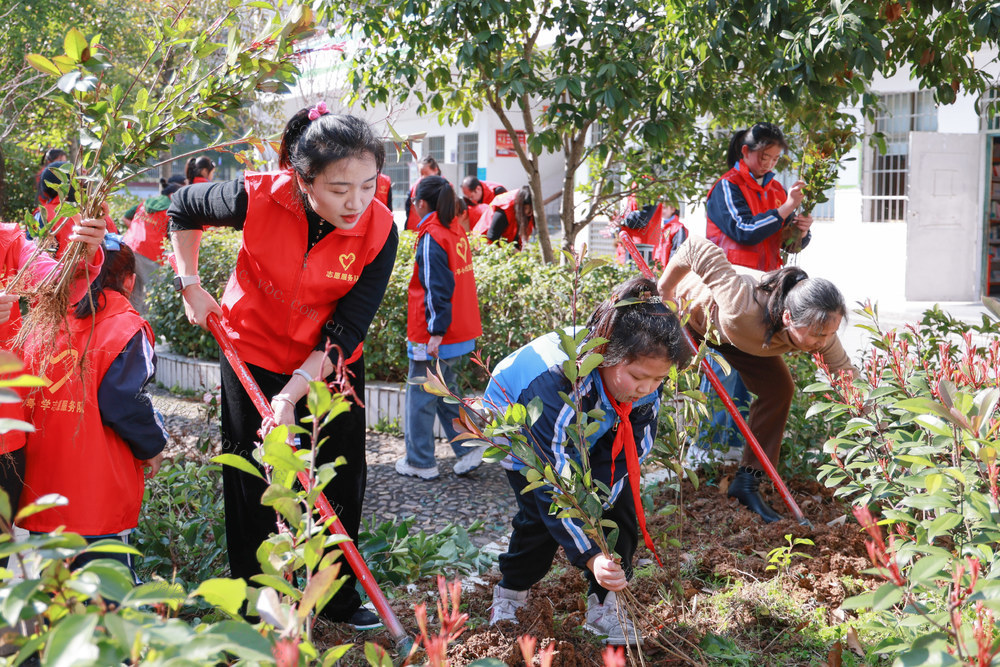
[532, 546]
[248, 523]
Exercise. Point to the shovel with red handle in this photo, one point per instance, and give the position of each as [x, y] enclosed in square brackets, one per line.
[403, 640]
[713, 379]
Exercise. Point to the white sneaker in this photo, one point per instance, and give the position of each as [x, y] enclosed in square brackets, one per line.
[469, 462]
[404, 468]
[602, 619]
[506, 603]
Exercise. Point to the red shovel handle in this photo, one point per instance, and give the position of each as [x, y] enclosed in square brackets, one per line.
[351, 554]
[713, 379]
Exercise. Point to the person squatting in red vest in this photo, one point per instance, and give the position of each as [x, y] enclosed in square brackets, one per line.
[478, 192]
[672, 234]
[428, 166]
[49, 206]
[749, 217]
[95, 426]
[145, 235]
[315, 260]
[642, 226]
[15, 253]
[383, 190]
[510, 217]
[442, 325]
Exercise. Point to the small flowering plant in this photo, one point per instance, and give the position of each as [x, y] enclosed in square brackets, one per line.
[918, 460]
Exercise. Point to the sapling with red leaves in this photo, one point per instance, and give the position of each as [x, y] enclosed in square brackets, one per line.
[918, 455]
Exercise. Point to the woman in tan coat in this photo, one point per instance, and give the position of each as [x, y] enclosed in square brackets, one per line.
[758, 317]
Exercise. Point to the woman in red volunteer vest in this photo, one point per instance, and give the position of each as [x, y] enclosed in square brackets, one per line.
[96, 430]
[49, 205]
[442, 325]
[145, 236]
[476, 191]
[672, 234]
[383, 190]
[15, 253]
[509, 217]
[428, 166]
[199, 169]
[316, 257]
[749, 217]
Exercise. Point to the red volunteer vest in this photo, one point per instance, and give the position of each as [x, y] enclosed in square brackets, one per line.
[200, 179]
[648, 235]
[764, 256]
[503, 202]
[72, 452]
[489, 191]
[413, 219]
[146, 233]
[279, 296]
[465, 322]
[669, 231]
[63, 233]
[382, 189]
[11, 241]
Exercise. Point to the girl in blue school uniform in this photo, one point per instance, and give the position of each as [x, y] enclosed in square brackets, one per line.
[645, 341]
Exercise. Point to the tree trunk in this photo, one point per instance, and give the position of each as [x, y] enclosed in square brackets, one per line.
[4, 195]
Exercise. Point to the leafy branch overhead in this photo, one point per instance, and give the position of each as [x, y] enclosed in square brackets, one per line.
[190, 75]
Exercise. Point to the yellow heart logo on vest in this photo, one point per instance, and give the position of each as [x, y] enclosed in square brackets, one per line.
[347, 260]
[462, 248]
[74, 356]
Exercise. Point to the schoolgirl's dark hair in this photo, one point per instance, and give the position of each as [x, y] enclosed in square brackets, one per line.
[119, 264]
[439, 195]
[521, 199]
[50, 175]
[809, 301]
[755, 138]
[432, 163]
[637, 324]
[309, 146]
[194, 166]
[54, 155]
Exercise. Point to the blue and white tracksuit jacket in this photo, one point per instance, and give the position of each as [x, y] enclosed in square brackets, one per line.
[536, 370]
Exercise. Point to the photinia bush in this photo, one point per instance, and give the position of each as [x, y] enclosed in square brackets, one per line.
[918, 455]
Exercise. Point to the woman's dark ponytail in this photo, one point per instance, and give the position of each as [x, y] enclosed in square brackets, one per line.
[439, 195]
[735, 152]
[521, 200]
[294, 129]
[809, 301]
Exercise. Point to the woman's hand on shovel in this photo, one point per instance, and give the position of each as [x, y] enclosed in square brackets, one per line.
[198, 303]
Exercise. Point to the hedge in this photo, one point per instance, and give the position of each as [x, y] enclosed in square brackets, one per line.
[520, 298]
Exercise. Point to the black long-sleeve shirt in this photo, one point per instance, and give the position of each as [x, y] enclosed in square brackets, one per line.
[225, 204]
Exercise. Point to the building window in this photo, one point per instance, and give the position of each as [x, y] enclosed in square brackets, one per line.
[435, 148]
[468, 154]
[989, 110]
[397, 168]
[886, 172]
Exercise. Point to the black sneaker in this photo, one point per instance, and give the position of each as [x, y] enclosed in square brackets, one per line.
[364, 619]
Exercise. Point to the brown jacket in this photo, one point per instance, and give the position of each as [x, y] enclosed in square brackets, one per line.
[714, 289]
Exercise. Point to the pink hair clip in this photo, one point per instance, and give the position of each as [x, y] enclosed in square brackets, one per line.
[318, 110]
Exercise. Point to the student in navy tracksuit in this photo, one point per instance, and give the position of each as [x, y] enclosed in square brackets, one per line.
[644, 342]
[749, 216]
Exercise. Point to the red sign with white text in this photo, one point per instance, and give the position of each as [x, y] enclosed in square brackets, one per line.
[505, 147]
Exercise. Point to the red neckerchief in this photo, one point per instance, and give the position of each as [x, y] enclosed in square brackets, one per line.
[625, 439]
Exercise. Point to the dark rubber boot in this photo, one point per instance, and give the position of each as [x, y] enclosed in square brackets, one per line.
[744, 488]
